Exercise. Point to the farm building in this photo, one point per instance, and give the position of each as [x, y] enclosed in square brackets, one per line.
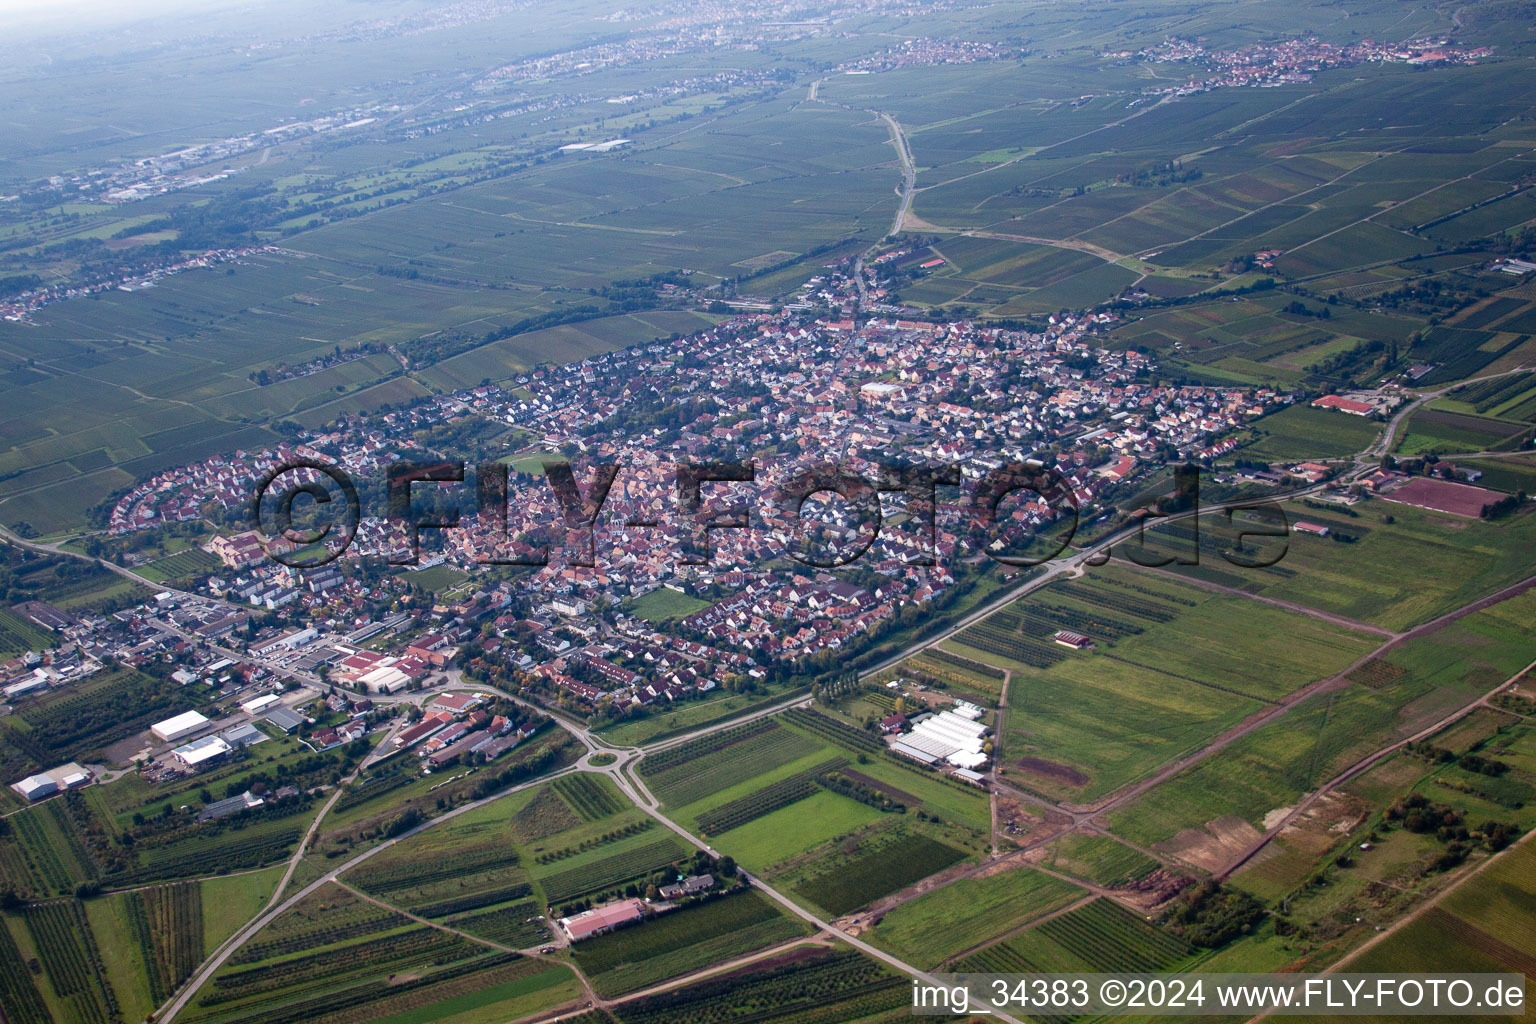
[242, 735]
[420, 731]
[945, 737]
[36, 787]
[38, 680]
[1316, 530]
[1076, 641]
[233, 805]
[600, 919]
[459, 748]
[207, 750]
[690, 886]
[184, 724]
[72, 779]
[1348, 405]
[965, 709]
[498, 746]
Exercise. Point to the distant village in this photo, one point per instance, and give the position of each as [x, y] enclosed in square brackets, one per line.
[1291, 61]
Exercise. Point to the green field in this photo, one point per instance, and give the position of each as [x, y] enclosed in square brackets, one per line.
[943, 924]
[18, 635]
[181, 568]
[1225, 797]
[552, 843]
[1098, 859]
[1172, 667]
[887, 868]
[664, 604]
[1454, 561]
[793, 829]
[703, 768]
[1445, 432]
[1509, 475]
[840, 985]
[681, 718]
[1303, 432]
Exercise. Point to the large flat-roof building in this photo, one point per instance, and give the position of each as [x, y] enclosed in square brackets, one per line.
[385, 679]
[285, 718]
[184, 724]
[256, 705]
[601, 919]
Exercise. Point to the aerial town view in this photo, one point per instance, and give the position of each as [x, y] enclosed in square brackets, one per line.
[780, 512]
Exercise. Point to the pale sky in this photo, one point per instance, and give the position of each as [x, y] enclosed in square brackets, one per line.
[38, 12]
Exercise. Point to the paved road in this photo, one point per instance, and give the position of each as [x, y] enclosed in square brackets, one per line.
[908, 184]
[908, 172]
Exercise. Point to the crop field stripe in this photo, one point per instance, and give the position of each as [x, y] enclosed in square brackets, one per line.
[509, 926]
[167, 922]
[339, 924]
[604, 874]
[944, 657]
[676, 929]
[473, 901]
[394, 952]
[590, 799]
[66, 946]
[832, 729]
[242, 848]
[721, 769]
[409, 991]
[23, 1003]
[766, 800]
[633, 828]
[893, 867]
[839, 986]
[1112, 938]
[415, 873]
[18, 635]
[654, 764]
[373, 786]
